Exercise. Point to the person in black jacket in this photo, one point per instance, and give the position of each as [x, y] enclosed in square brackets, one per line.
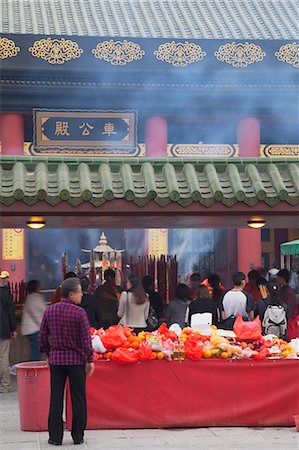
[155, 298]
[107, 296]
[203, 304]
[8, 325]
[91, 305]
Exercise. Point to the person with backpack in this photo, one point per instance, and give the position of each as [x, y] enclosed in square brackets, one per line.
[274, 320]
[289, 297]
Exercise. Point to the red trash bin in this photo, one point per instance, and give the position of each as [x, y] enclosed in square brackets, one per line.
[34, 395]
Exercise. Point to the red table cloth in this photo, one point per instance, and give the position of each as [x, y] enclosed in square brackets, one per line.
[162, 394]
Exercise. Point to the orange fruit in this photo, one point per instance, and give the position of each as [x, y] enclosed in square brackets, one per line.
[224, 355]
[135, 344]
[215, 352]
[160, 355]
[108, 355]
[131, 338]
[206, 353]
[128, 333]
[154, 355]
[126, 344]
[183, 336]
[285, 353]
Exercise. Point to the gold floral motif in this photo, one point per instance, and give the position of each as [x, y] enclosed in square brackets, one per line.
[184, 150]
[118, 53]
[56, 51]
[8, 48]
[289, 53]
[179, 54]
[280, 150]
[240, 55]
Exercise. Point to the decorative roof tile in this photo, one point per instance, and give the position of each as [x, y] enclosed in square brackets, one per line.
[180, 19]
[184, 181]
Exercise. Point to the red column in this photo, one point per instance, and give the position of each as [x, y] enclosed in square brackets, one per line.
[12, 134]
[12, 143]
[248, 137]
[156, 137]
[249, 240]
[156, 147]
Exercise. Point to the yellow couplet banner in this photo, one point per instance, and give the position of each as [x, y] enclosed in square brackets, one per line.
[12, 243]
[157, 241]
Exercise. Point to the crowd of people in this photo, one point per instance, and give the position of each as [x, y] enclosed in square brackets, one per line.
[62, 331]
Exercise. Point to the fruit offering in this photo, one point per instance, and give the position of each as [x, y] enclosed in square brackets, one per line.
[122, 344]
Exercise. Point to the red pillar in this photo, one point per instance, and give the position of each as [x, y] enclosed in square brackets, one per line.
[12, 143]
[156, 137]
[248, 137]
[156, 147]
[249, 240]
[12, 134]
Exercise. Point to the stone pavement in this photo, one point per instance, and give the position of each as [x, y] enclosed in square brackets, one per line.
[11, 438]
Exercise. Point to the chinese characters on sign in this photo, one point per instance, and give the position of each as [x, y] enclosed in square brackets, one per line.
[83, 132]
[157, 241]
[12, 244]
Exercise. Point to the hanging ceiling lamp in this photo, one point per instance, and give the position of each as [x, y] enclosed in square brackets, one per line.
[36, 223]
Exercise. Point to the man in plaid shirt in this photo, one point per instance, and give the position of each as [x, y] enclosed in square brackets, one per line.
[65, 338]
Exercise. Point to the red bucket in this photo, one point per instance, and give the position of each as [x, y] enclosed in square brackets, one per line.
[34, 395]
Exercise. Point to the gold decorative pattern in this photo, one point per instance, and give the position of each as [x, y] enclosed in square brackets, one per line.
[240, 55]
[30, 150]
[289, 53]
[179, 54]
[8, 48]
[280, 150]
[56, 51]
[118, 53]
[194, 150]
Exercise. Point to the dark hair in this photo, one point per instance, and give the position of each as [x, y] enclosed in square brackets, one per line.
[253, 275]
[238, 277]
[214, 281]
[84, 283]
[147, 282]
[109, 275]
[69, 285]
[33, 286]
[137, 289]
[203, 291]
[70, 275]
[182, 292]
[261, 281]
[274, 292]
[285, 274]
[195, 276]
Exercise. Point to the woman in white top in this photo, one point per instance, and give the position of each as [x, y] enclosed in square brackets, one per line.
[32, 316]
[134, 305]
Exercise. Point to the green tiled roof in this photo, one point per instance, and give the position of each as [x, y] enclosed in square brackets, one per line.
[96, 180]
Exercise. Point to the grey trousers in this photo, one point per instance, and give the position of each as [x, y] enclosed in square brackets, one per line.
[4, 365]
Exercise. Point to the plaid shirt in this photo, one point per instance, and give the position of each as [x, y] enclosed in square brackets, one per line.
[67, 326]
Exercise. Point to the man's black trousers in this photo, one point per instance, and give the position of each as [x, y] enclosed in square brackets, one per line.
[77, 380]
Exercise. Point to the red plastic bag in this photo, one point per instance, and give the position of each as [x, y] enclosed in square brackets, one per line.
[167, 333]
[262, 354]
[145, 353]
[193, 349]
[251, 330]
[114, 337]
[125, 355]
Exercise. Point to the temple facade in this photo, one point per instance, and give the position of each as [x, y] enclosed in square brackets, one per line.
[142, 114]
